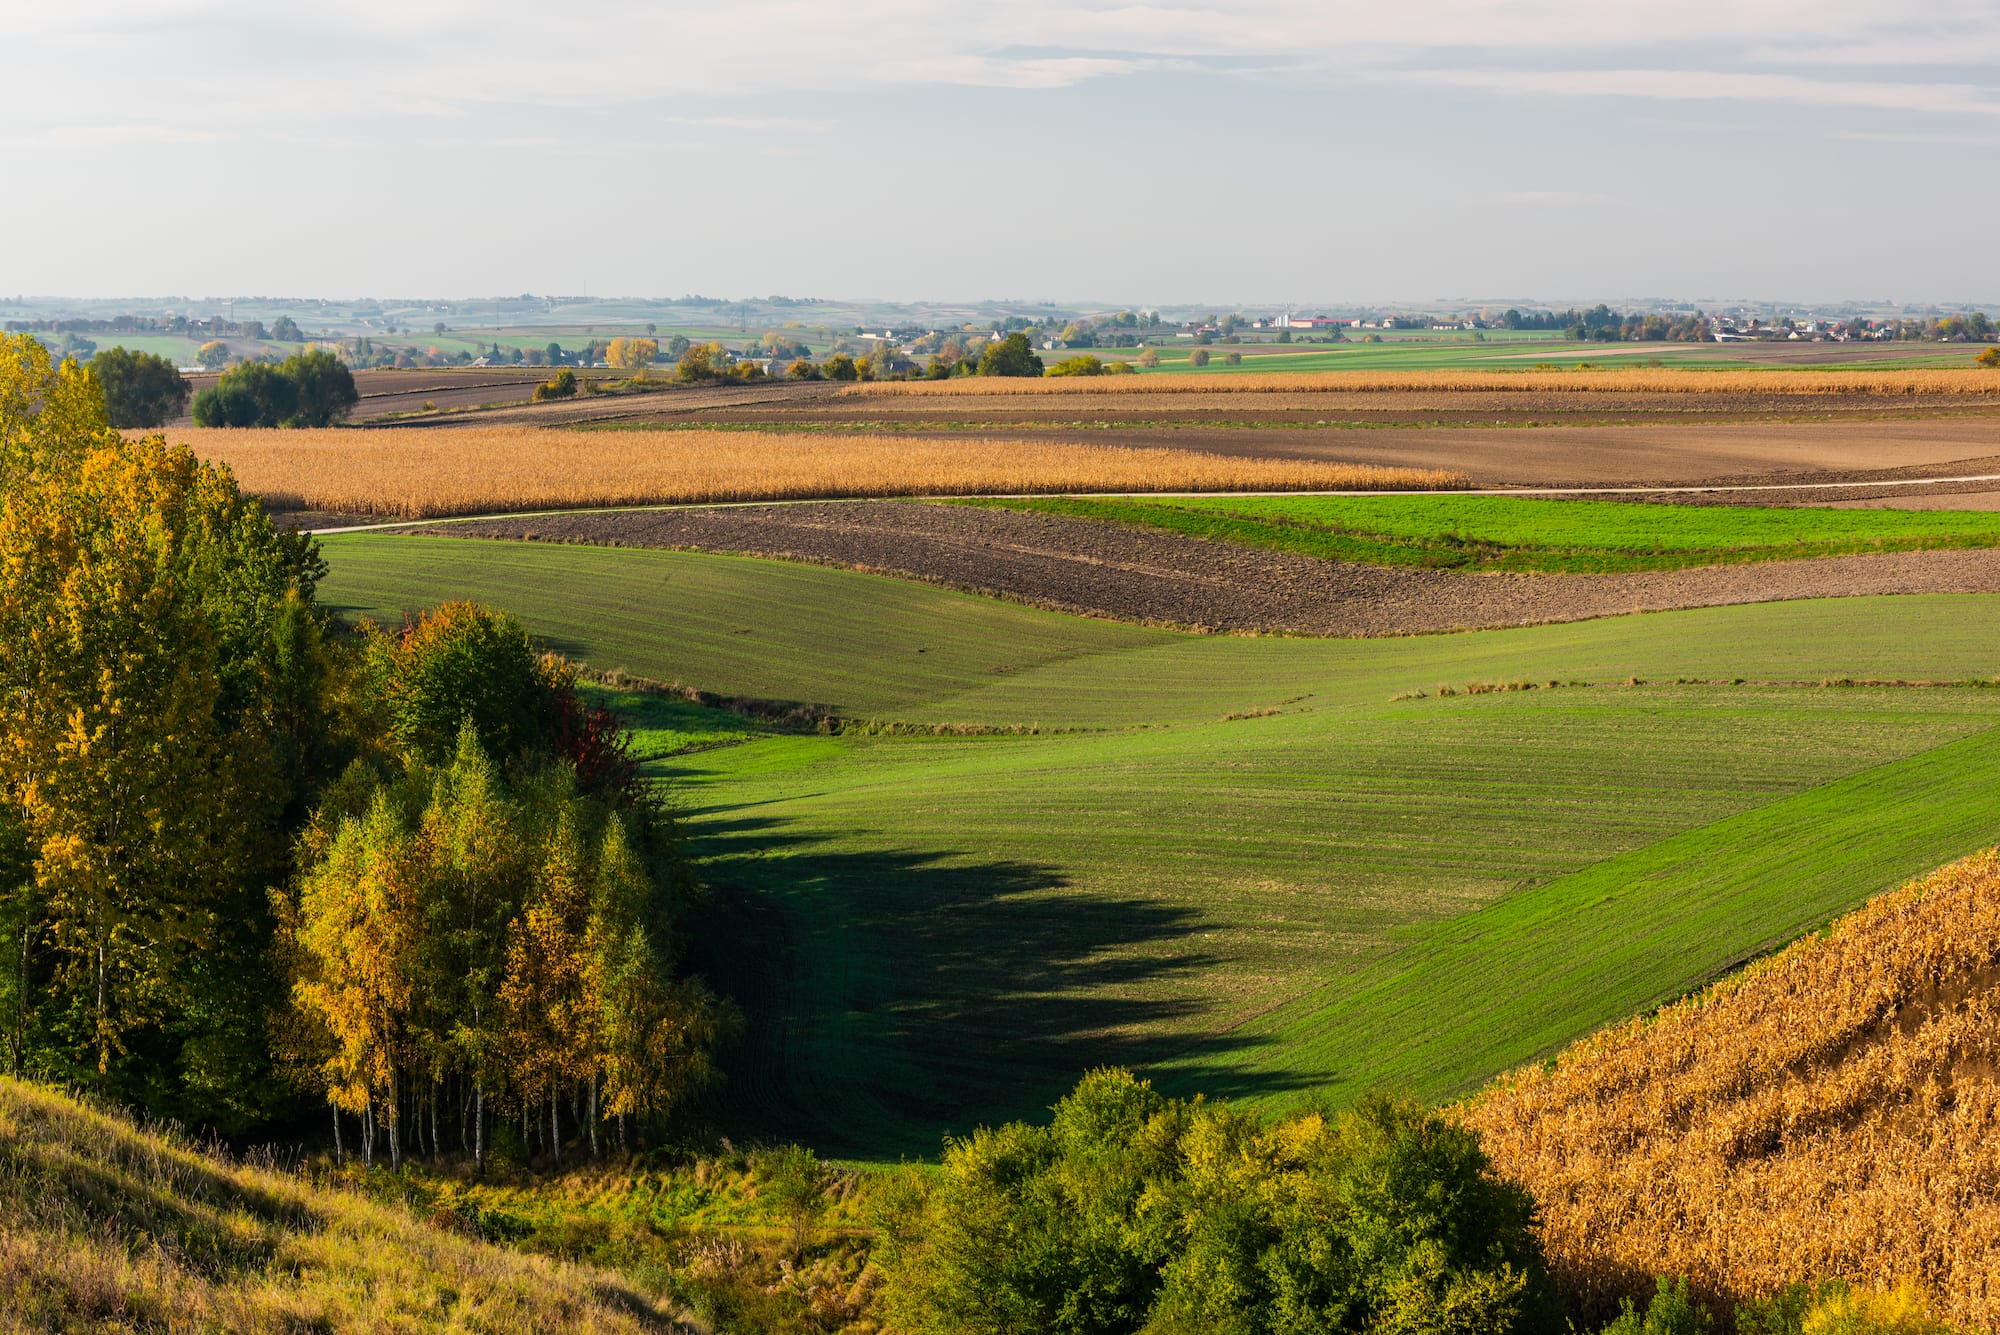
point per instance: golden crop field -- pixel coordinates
(1649, 381)
(456, 471)
(1833, 1112)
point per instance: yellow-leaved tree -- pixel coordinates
(138, 594)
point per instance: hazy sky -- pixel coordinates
(1207, 150)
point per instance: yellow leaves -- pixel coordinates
(1902, 1310)
(50, 414)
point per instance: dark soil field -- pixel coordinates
(1133, 574)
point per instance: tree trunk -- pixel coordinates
(339, 1150)
(479, 1124)
(593, 1114)
(103, 1019)
(434, 1121)
(395, 1120)
(623, 1148)
(368, 1134)
(555, 1130)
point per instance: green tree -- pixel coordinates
(139, 594)
(253, 394)
(458, 664)
(1198, 358)
(213, 355)
(323, 390)
(1011, 356)
(840, 366)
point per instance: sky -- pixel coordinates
(1226, 151)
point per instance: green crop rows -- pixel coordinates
(1509, 533)
(1258, 867)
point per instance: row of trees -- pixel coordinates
(308, 389)
(246, 855)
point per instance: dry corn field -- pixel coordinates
(1670, 381)
(1832, 1113)
(424, 474)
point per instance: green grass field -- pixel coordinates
(1242, 863)
(1500, 351)
(1509, 533)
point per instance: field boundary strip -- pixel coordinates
(1681, 490)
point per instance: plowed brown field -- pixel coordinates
(1133, 574)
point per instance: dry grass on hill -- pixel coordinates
(416, 475)
(103, 1227)
(1834, 1112)
(1523, 381)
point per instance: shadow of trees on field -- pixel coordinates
(892, 996)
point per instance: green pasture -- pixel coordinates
(1260, 867)
(1516, 351)
(1526, 534)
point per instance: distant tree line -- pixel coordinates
(1601, 324)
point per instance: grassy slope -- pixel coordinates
(104, 1227)
(947, 929)
(1506, 533)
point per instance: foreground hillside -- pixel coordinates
(103, 1226)
(1835, 1111)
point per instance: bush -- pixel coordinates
(1131, 1210)
(1836, 1308)
(1150, 358)
(561, 385)
(840, 366)
(140, 389)
(1670, 1311)
(1199, 357)
(1232, 359)
(1084, 365)
(1989, 358)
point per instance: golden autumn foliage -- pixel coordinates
(473, 470)
(1667, 380)
(1835, 1111)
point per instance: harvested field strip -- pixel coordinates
(449, 471)
(1524, 381)
(1832, 1111)
(1491, 533)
